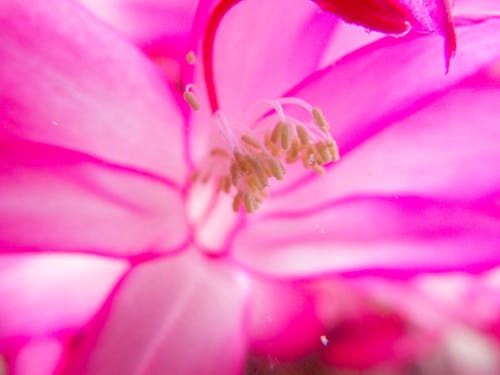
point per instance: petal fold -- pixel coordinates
(439, 126)
(51, 293)
(75, 84)
(54, 199)
(284, 322)
(182, 315)
(393, 236)
(254, 61)
(396, 16)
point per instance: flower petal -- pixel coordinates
(284, 323)
(75, 84)
(52, 293)
(449, 293)
(145, 21)
(183, 315)
(37, 357)
(396, 16)
(53, 199)
(392, 236)
(477, 7)
(266, 63)
(354, 98)
(434, 16)
(366, 341)
(421, 137)
(161, 28)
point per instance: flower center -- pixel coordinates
(250, 157)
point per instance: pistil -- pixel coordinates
(208, 48)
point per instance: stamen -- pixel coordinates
(276, 134)
(190, 97)
(302, 134)
(285, 136)
(237, 201)
(276, 169)
(248, 161)
(191, 58)
(251, 141)
(219, 152)
(320, 119)
(333, 149)
(293, 153)
(249, 204)
(323, 153)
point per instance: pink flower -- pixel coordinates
(422, 322)
(115, 262)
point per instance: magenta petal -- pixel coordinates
(255, 60)
(44, 294)
(356, 100)
(426, 141)
(393, 235)
(37, 357)
(144, 21)
(481, 293)
(182, 315)
(434, 16)
(284, 322)
(75, 84)
(366, 341)
(447, 150)
(476, 7)
(52, 199)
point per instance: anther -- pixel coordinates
(191, 58)
(302, 134)
(252, 162)
(195, 176)
(191, 100)
(249, 205)
(235, 174)
(276, 169)
(323, 152)
(276, 134)
(206, 177)
(318, 169)
(251, 141)
(320, 119)
(225, 184)
(333, 149)
(285, 136)
(294, 152)
(259, 171)
(219, 152)
(237, 201)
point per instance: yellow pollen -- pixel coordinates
(250, 141)
(276, 134)
(250, 205)
(333, 149)
(320, 119)
(323, 152)
(191, 100)
(195, 176)
(191, 58)
(302, 134)
(248, 166)
(293, 153)
(237, 201)
(285, 136)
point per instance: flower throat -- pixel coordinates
(251, 157)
